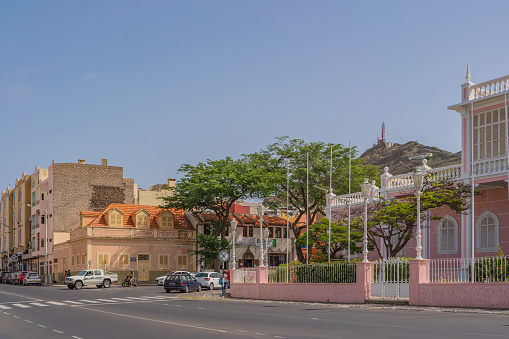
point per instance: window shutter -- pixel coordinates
(483, 234)
(451, 238)
(443, 236)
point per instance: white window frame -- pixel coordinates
(478, 233)
(454, 222)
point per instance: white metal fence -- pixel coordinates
(458, 270)
(345, 272)
(391, 278)
(244, 275)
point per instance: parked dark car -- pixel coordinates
(12, 277)
(181, 282)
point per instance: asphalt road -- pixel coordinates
(148, 312)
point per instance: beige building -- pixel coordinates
(6, 225)
(153, 196)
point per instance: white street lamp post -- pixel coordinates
(266, 253)
(259, 211)
(365, 191)
(418, 177)
(233, 225)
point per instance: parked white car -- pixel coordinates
(91, 277)
(209, 279)
(160, 280)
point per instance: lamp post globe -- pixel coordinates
(365, 192)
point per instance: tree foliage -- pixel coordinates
(208, 248)
(319, 238)
(273, 160)
(214, 186)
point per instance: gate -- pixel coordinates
(391, 278)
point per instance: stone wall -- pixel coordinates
(82, 187)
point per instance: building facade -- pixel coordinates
(484, 164)
(149, 240)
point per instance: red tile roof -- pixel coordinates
(129, 214)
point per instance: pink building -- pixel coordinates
(484, 125)
(149, 240)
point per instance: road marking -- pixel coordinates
(42, 326)
(3, 307)
(15, 316)
(21, 305)
(39, 304)
(276, 336)
(28, 321)
(72, 302)
(107, 300)
(242, 331)
(89, 301)
(55, 303)
(314, 319)
(58, 331)
(121, 299)
(166, 322)
(76, 337)
(260, 334)
(7, 313)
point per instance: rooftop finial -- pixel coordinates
(468, 73)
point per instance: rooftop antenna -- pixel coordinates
(383, 131)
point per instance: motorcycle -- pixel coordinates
(130, 282)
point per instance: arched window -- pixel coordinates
(487, 232)
(447, 233)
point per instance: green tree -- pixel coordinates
(319, 238)
(273, 160)
(214, 186)
(394, 221)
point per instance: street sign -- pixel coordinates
(10, 264)
(223, 256)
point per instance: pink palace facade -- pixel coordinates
(484, 144)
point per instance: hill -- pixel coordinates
(397, 156)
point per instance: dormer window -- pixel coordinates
(115, 218)
(166, 220)
(142, 219)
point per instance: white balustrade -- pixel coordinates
(490, 166)
(490, 88)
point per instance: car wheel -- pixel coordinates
(199, 288)
(211, 286)
(168, 291)
(106, 283)
(78, 285)
(186, 290)
(70, 287)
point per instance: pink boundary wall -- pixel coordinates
(490, 295)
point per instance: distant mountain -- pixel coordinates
(405, 158)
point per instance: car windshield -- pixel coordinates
(198, 275)
(82, 273)
(33, 275)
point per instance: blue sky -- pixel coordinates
(151, 85)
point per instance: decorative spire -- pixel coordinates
(467, 77)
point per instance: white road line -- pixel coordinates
(72, 302)
(165, 322)
(7, 313)
(15, 316)
(260, 334)
(55, 303)
(42, 326)
(28, 321)
(89, 301)
(58, 331)
(21, 305)
(107, 300)
(276, 336)
(76, 337)
(3, 307)
(242, 331)
(39, 304)
(134, 298)
(121, 299)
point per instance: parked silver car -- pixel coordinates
(209, 279)
(32, 279)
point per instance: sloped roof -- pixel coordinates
(129, 214)
(243, 219)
